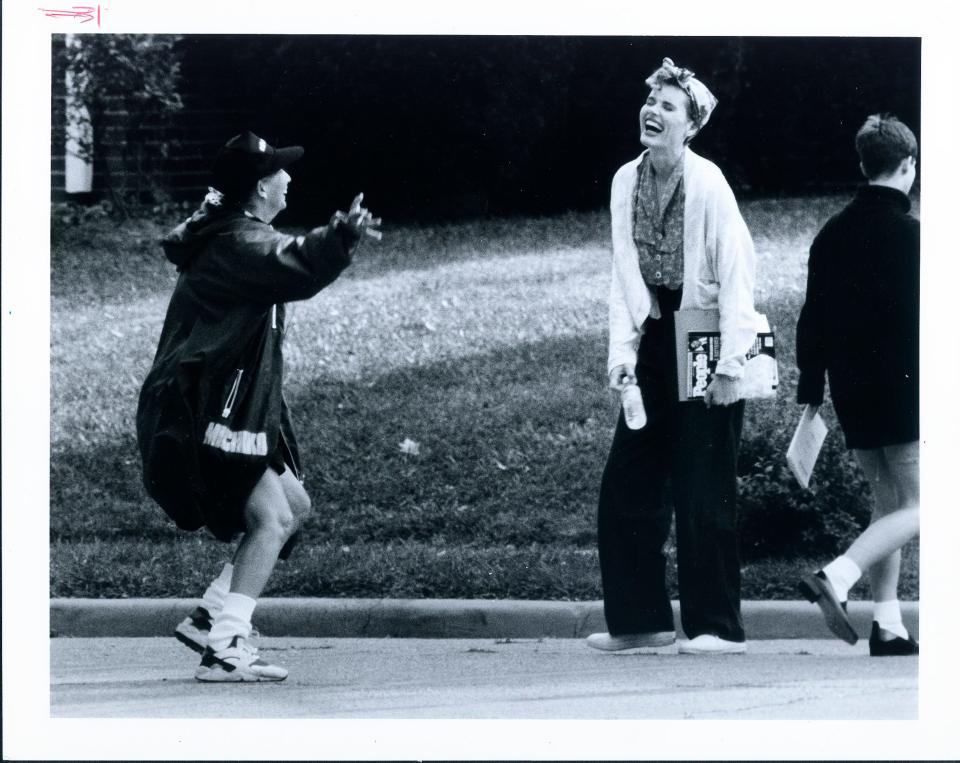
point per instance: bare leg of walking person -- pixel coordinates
(274, 511)
(895, 477)
(898, 477)
(885, 572)
(270, 521)
(194, 630)
(893, 472)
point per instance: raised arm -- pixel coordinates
(255, 263)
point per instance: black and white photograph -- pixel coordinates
(374, 379)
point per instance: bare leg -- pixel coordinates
(273, 513)
(901, 476)
(894, 475)
(300, 505)
(885, 572)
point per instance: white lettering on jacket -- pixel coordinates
(248, 443)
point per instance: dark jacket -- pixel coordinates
(211, 412)
(860, 320)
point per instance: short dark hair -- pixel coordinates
(882, 143)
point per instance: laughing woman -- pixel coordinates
(678, 242)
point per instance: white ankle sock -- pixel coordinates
(232, 620)
(887, 615)
(842, 573)
(216, 592)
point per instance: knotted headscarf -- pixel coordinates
(704, 102)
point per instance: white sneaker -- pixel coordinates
(707, 643)
(238, 662)
(608, 643)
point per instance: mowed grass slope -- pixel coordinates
(480, 345)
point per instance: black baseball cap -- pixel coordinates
(246, 158)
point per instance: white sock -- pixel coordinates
(232, 620)
(216, 592)
(887, 615)
(842, 573)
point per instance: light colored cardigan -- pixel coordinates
(718, 264)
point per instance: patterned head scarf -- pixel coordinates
(703, 101)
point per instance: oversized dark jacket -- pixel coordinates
(860, 320)
(211, 411)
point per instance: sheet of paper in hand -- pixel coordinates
(698, 351)
(805, 445)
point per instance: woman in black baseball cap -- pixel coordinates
(213, 427)
(247, 158)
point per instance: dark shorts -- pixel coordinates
(872, 415)
(228, 488)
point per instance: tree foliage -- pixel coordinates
(128, 88)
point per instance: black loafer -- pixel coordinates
(817, 588)
(897, 647)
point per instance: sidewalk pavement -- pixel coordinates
(543, 678)
(430, 618)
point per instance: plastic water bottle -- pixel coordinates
(633, 410)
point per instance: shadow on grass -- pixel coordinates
(505, 454)
(494, 493)
(495, 497)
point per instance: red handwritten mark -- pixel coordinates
(83, 13)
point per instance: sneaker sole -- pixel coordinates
(189, 642)
(217, 676)
(725, 650)
(812, 589)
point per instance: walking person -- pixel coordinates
(860, 325)
(679, 242)
(213, 428)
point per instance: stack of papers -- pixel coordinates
(805, 445)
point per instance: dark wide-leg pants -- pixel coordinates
(695, 449)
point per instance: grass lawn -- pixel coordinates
(484, 344)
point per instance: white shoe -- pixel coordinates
(608, 643)
(238, 662)
(707, 643)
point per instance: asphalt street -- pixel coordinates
(552, 678)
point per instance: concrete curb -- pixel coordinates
(430, 618)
